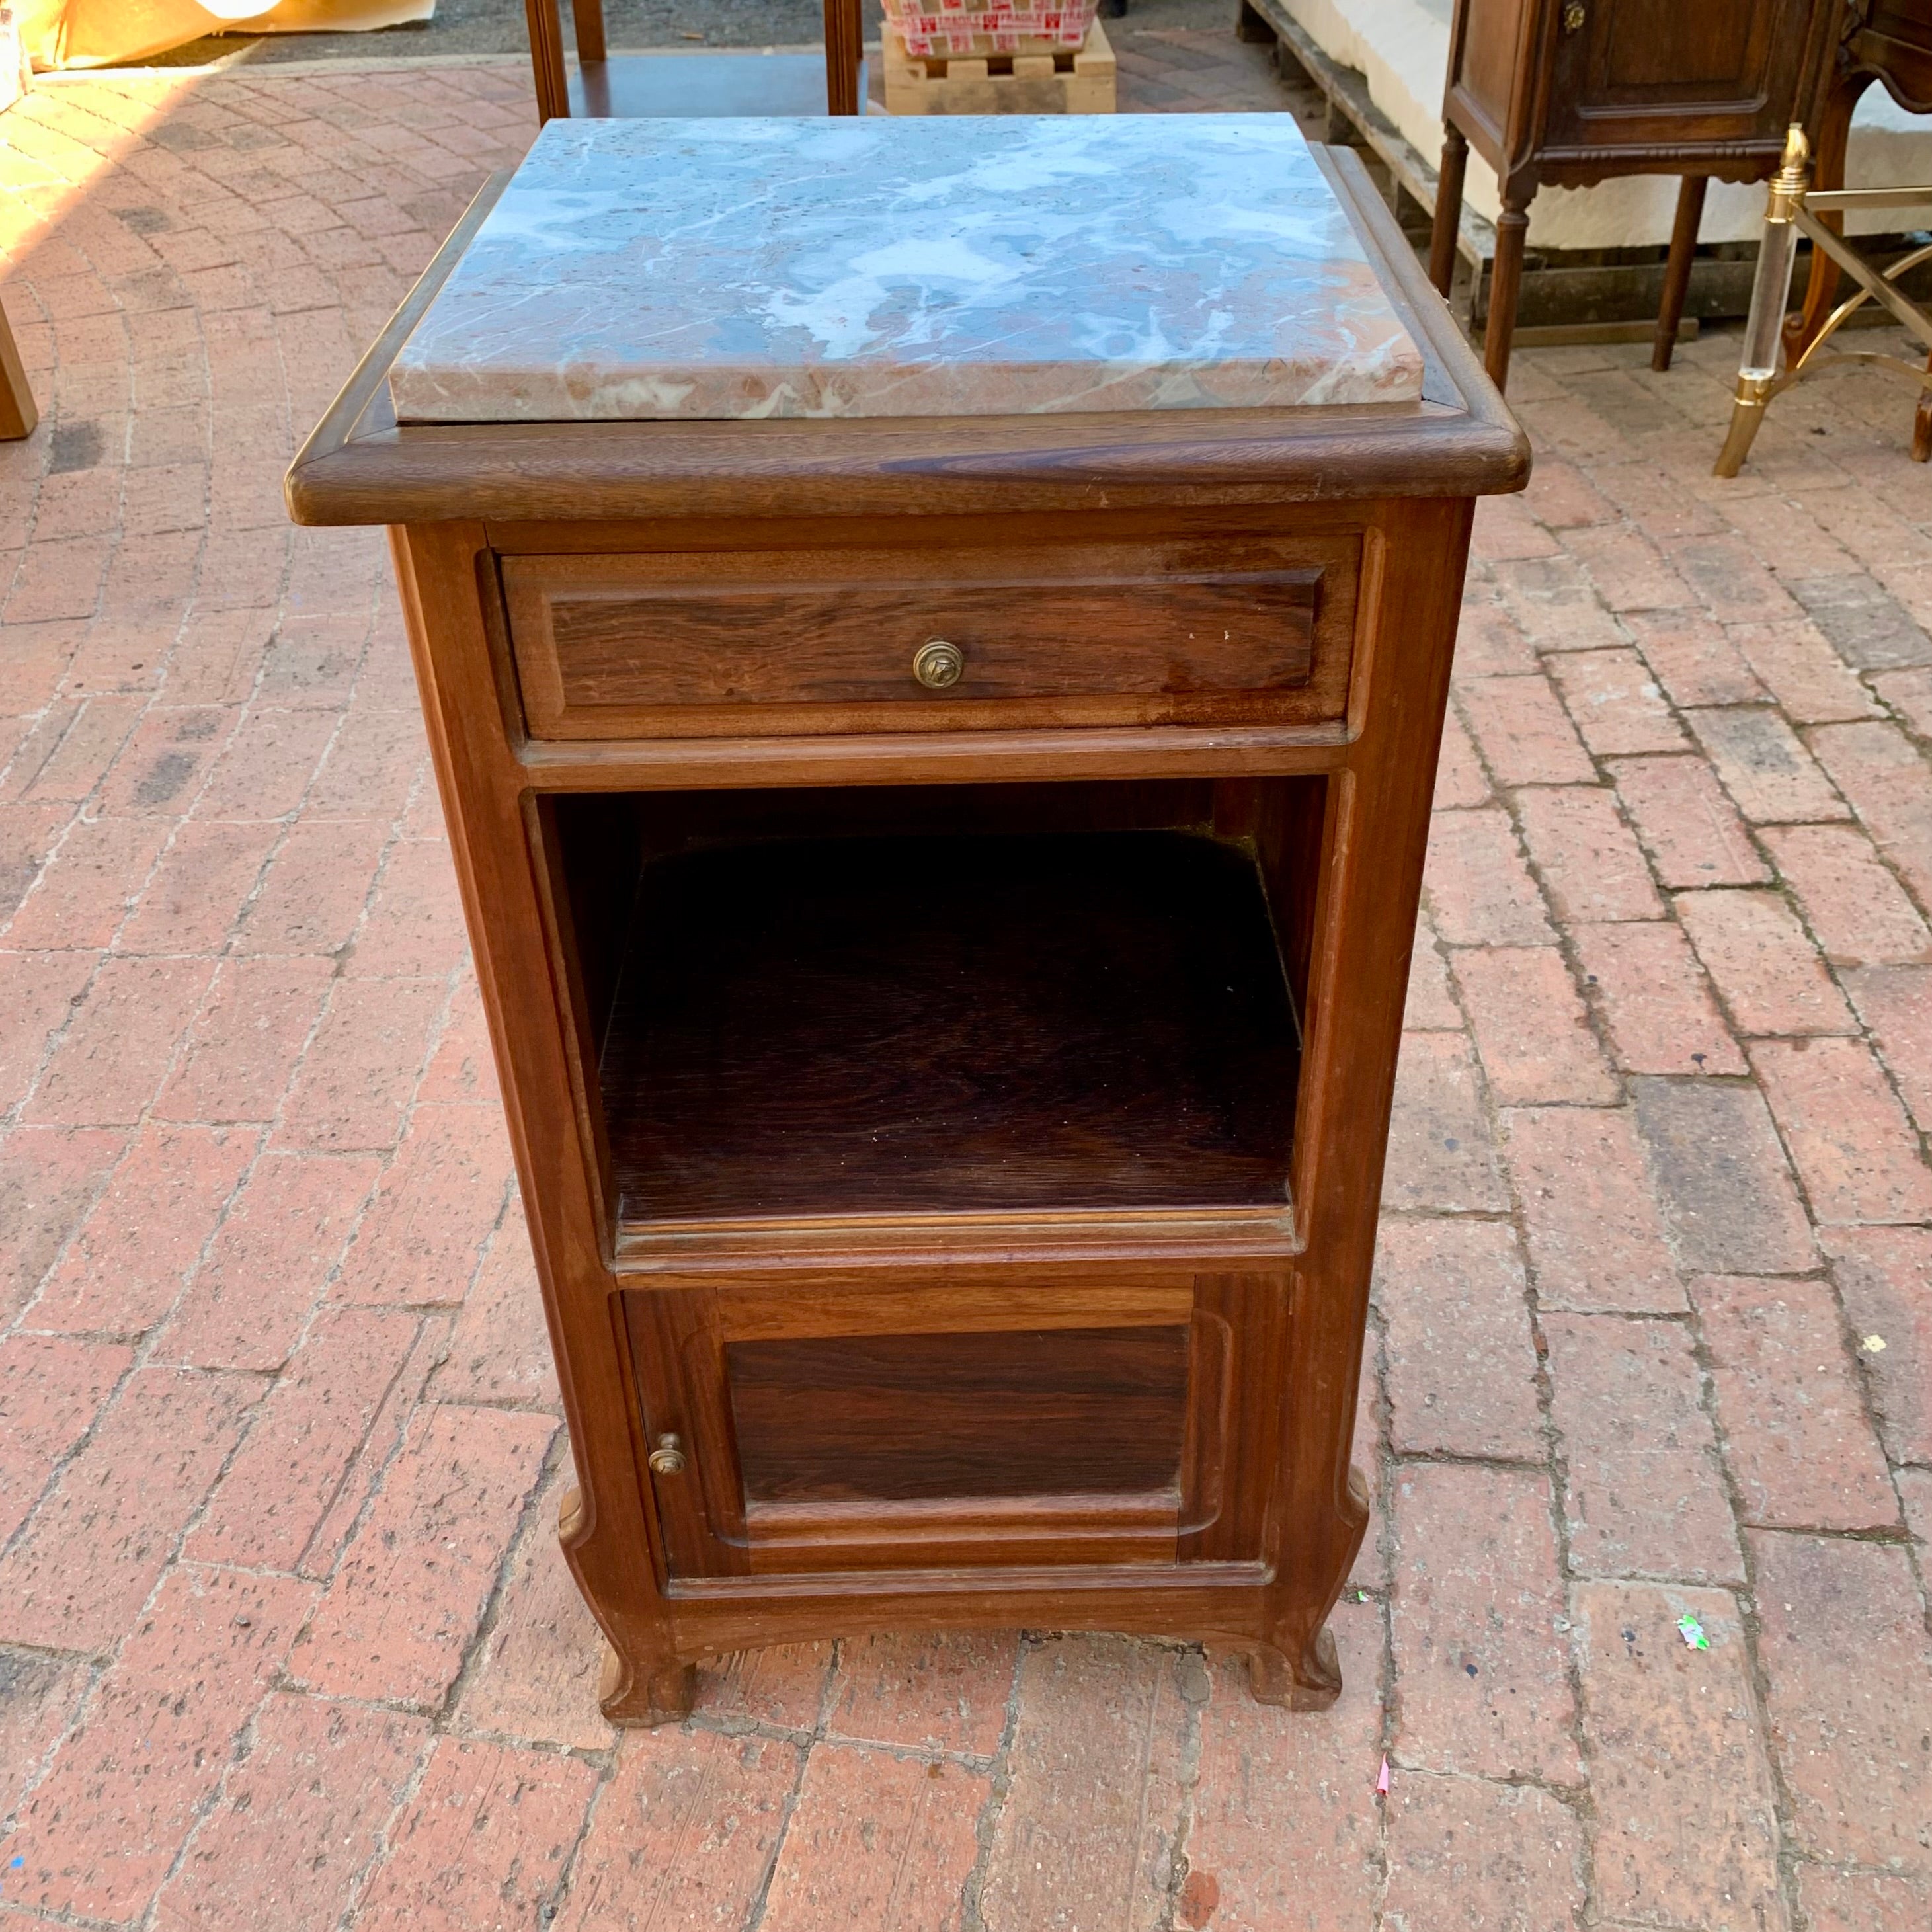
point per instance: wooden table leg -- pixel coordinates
(18, 414)
(547, 61)
(1505, 289)
(587, 16)
(844, 49)
(1921, 422)
(1677, 271)
(1448, 210)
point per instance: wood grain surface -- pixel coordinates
(756, 981)
(1002, 1413)
(1123, 622)
(857, 1026)
(853, 642)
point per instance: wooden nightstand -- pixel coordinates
(1567, 93)
(943, 887)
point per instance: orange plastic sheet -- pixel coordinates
(96, 33)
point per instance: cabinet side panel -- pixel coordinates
(1485, 75)
(1254, 1308)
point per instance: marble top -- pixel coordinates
(935, 266)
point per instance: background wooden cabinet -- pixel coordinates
(1567, 93)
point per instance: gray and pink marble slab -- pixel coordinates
(942, 266)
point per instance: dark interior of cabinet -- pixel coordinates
(896, 1000)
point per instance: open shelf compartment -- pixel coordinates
(965, 1000)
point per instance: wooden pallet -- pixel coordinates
(1068, 82)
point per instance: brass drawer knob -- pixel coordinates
(938, 665)
(667, 1458)
(1573, 17)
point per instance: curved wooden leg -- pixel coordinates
(1448, 210)
(18, 414)
(1505, 290)
(641, 1681)
(1828, 171)
(631, 1693)
(1311, 1681)
(1677, 271)
(1295, 1664)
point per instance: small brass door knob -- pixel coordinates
(938, 665)
(1573, 17)
(667, 1458)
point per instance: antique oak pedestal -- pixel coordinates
(942, 881)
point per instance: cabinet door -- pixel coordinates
(1632, 76)
(935, 1428)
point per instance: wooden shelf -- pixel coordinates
(895, 1025)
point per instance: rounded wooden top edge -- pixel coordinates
(570, 472)
(360, 468)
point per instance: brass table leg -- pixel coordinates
(1747, 408)
(1771, 290)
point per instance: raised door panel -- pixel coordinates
(1049, 1426)
(1637, 76)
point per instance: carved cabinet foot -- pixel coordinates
(634, 1695)
(1312, 1683)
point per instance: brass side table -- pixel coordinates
(1795, 209)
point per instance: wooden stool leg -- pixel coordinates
(18, 414)
(844, 49)
(1448, 210)
(1505, 289)
(1921, 422)
(587, 16)
(1677, 271)
(547, 66)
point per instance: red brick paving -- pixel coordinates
(285, 1638)
(1483, 1673)
(1466, 1852)
(1459, 1365)
(1687, 1826)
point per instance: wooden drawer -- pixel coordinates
(1241, 631)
